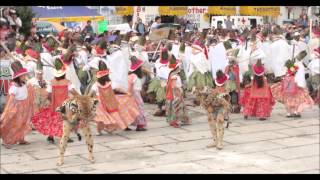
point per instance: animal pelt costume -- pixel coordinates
(77, 111)
(217, 104)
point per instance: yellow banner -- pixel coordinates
(124, 10)
(173, 10)
(222, 10)
(260, 10)
(71, 19)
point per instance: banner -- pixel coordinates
(102, 26)
(124, 10)
(260, 10)
(222, 10)
(173, 10)
(159, 34)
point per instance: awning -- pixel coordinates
(124, 10)
(222, 10)
(260, 10)
(173, 10)
(65, 14)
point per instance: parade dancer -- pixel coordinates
(119, 66)
(280, 52)
(175, 107)
(313, 81)
(47, 60)
(68, 58)
(15, 119)
(134, 89)
(49, 122)
(39, 85)
(31, 60)
(232, 70)
(288, 92)
(257, 99)
(158, 83)
(199, 71)
(217, 104)
(114, 112)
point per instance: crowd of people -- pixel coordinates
(242, 71)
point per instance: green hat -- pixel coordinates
(182, 47)
(59, 68)
(169, 46)
(68, 56)
(227, 45)
(102, 44)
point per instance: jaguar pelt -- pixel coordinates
(78, 110)
(217, 107)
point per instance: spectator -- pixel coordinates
(88, 28)
(229, 23)
(156, 23)
(140, 28)
(189, 26)
(4, 30)
(14, 20)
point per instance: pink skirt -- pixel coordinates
(127, 113)
(16, 119)
(298, 102)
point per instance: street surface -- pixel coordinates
(277, 145)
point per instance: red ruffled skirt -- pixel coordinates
(256, 107)
(48, 123)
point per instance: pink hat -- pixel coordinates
(221, 78)
(258, 70)
(32, 54)
(135, 64)
(18, 70)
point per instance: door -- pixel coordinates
(253, 23)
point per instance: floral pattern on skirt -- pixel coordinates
(48, 123)
(297, 102)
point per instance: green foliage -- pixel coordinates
(25, 13)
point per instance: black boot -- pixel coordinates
(160, 112)
(79, 136)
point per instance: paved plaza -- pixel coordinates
(277, 145)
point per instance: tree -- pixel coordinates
(26, 14)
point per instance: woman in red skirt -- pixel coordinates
(48, 122)
(257, 99)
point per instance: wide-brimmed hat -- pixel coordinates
(60, 68)
(221, 78)
(258, 68)
(18, 69)
(103, 70)
(135, 63)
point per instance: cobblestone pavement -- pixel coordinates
(277, 145)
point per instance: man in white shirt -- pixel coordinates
(156, 23)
